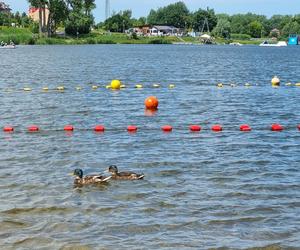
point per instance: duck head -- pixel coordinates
(113, 169)
(78, 172)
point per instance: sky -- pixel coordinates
(142, 7)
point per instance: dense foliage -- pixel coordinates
(76, 15)
(119, 22)
(205, 20)
(19, 20)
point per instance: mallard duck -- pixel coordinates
(115, 174)
(88, 179)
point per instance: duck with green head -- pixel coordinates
(115, 174)
(88, 179)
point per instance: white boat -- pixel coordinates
(8, 47)
(236, 44)
(279, 44)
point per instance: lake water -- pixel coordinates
(202, 190)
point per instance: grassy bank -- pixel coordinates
(17, 35)
(26, 37)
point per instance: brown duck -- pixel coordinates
(115, 174)
(88, 179)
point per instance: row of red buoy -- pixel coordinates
(165, 128)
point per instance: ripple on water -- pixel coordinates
(202, 190)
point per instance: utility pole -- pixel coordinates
(107, 9)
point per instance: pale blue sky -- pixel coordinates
(142, 7)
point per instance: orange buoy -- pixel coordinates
(167, 128)
(99, 128)
(151, 102)
(299, 126)
(195, 128)
(276, 127)
(216, 128)
(132, 128)
(33, 128)
(8, 129)
(68, 128)
(245, 128)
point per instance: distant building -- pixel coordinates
(33, 13)
(4, 8)
(156, 30)
(162, 30)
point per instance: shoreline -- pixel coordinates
(23, 36)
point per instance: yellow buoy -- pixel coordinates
(60, 88)
(27, 89)
(45, 89)
(94, 87)
(297, 84)
(155, 85)
(220, 85)
(139, 86)
(171, 86)
(275, 81)
(115, 84)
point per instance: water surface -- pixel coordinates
(202, 190)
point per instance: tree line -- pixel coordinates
(77, 18)
(206, 20)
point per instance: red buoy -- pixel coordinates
(99, 128)
(245, 128)
(151, 102)
(33, 128)
(299, 126)
(216, 128)
(132, 128)
(195, 128)
(276, 127)
(68, 128)
(167, 128)
(8, 129)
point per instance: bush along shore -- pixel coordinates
(23, 36)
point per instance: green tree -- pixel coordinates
(174, 14)
(80, 18)
(279, 21)
(119, 22)
(138, 22)
(240, 24)
(255, 29)
(200, 17)
(292, 27)
(58, 13)
(223, 28)
(4, 19)
(152, 17)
